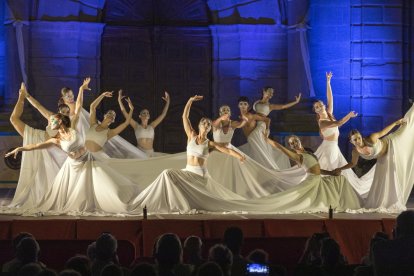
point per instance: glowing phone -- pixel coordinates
(257, 269)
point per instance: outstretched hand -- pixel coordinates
(336, 172)
(130, 105)
(13, 152)
(401, 121)
(107, 94)
(352, 114)
(196, 98)
(23, 90)
(85, 84)
(329, 76)
(120, 96)
(297, 98)
(166, 97)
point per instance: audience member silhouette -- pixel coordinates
(233, 239)
(112, 270)
(143, 269)
(79, 263)
(192, 251)
(222, 255)
(396, 257)
(69, 272)
(29, 269)
(15, 262)
(209, 269)
(106, 246)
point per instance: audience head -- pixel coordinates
(19, 237)
(79, 263)
(221, 255)
(210, 268)
(28, 250)
(143, 269)
(168, 251)
(106, 246)
(91, 251)
(192, 246)
(258, 256)
(405, 224)
(330, 252)
(233, 239)
(112, 270)
(313, 248)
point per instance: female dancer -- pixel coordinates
(394, 174)
(328, 153)
(144, 132)
(99, 133)
(257, 148)
(243, 178)
(83, 186)
(193, 179)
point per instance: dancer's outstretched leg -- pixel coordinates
(15, 119)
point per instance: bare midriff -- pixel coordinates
(196, 161)
(145, 143)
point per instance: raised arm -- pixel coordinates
(159, 119)
(216, 122)
(350, 165)
(329, 123)
(94, 105)
(132, 122)
(30, 147)
(228, 151)
(377, 135)
(79, 101)
(44, 111)
(121, 127)
(186, 116)
(292, 155)
(329, 96)
(285, 106)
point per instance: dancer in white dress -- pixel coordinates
(394, 174)
(329, 155)
(83, 186)
(144, 131)
(99, 133)
(256, 147)
(250, 179)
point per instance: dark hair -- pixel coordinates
(19, 237)
(258, 256)
(111, 270)
(143, 269)
(61, 106)
(65, 119)
(27, 250)
(106, 246)
(210, 268)
(243, 99)
(223, 256)
(264, 89)
(168, 250)
(353, 132)
(233, 238)
(79, 263)
(331, 117)
(405, 224)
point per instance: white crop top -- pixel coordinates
(374, 151)
(200, 151)
(141, 132)
(99, 137)
(220, 137)
(308, 161)
(329, 131)
(72, 145)
(262, 108)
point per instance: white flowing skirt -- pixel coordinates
(259, 150)
(330, 157)
(84, 187)
(185, 191)
(394, 175)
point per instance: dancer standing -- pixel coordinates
(328, 153)
(144, 131)
(394, 174)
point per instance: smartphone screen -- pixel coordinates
(257, 269)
